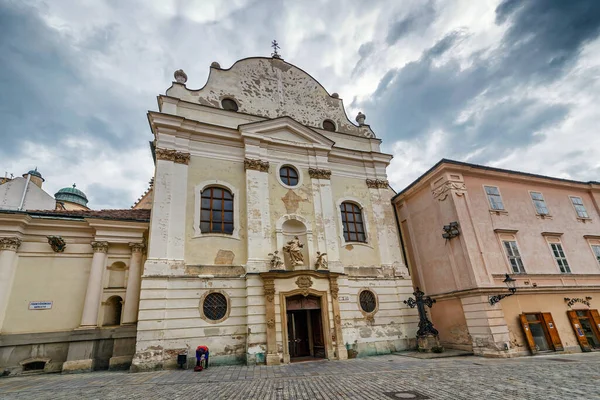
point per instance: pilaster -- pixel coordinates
(8, 252)
(132, 295)
(269, 291)
(93, 293)
(334, 289)
(258, 214)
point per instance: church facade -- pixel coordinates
(272, 235)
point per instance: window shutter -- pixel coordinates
(585, 346)
(551, 328)
(528, 335)
(595, 318)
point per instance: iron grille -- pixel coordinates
(215, 306)
(367, 301)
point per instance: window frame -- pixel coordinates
(201, 306)
(492, 209)
(517, 257)
(365, 220)
(298, 170)
(587, 215)
(365, 313)
(198, 189)
(595, 244)
(557, 241)
(547, 214)
(330, 121)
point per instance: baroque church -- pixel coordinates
(267, 234)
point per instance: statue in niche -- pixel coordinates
(294, 249)
(276, 261)
(321, 262)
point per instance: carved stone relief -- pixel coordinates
(377, 183)
(317, 173)
(258, 165)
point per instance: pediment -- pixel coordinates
(285, 131)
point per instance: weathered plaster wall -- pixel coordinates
(448, 318)
(270, 88)
(215, 249)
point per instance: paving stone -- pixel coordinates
(534, 378)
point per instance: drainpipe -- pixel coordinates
(24, 193)
(401, 241)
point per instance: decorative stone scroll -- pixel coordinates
(99, 247)
(137, 247)
(173, 155)
(441, 193)
(10, 243)
(255, 164)
(304, 283)
(334, 287)
(269, 289)
(57, 243)
(377, 183)
(317, 173)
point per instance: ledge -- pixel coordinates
(552, 233)
(597, 237)
(501, 230)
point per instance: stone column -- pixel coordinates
(8, 250)
(269, 290)
(341, 350)
(132, 296)
(93, 294)
(258, 214)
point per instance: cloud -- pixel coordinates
(416, 21)
(485, 104)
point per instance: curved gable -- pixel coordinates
(272, 88)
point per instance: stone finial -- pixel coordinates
(215, 64)
(335, 95)
(360, 118)
(180, 76)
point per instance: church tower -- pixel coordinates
(272, 236)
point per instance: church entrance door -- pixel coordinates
(305, 328)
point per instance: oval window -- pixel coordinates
(215, 306)
(368, 302)
(328, 125)
(229, 105)
(288, 175)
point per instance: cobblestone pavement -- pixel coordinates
(575, 376)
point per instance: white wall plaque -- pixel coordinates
(40, 305)
(344, 298)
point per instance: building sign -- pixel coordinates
(344, 298)
(585, 301)
(40, 305)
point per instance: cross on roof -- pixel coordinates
(275, 46)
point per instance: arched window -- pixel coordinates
(329, 125)
(112, 312)
(216, 215)
(229, 105)
(352, 221)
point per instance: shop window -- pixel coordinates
(586, 325)
(540, 332)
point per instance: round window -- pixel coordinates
(229, 105)
(368, 301)
(328, 125)
(288, 175)
(215, 306)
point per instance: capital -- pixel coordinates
(99, 247)
(172, 155)
(10, 243)
(137, 247)
(258, 165)
(377, 183)
(317, 173)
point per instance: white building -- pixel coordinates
(260, 155)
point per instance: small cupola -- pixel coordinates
(36, 177)
(72, 198)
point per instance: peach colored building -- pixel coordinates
(543, 231)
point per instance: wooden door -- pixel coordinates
(317, 334)
(585, 346)
(595, 319)
(552, 332)
(528, 335)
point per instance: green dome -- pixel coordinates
(34, 172)
(71, 194)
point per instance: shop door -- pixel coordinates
(586, 324)
(540, 332)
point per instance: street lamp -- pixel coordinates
(511, 284)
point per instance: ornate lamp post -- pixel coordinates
(511, 284)
(427, 335)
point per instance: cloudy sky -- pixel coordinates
(507, 83)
